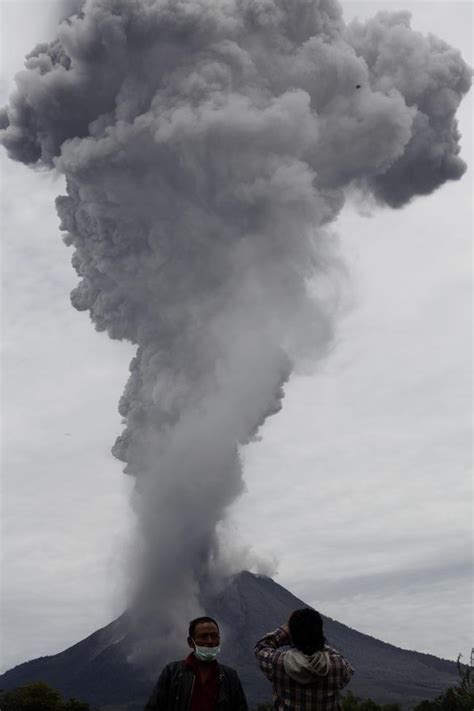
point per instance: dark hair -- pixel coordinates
(306, 630)
(193, 624)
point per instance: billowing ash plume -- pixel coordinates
(206, 144)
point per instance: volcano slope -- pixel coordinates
(97, 669)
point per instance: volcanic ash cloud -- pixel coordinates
(206, 145)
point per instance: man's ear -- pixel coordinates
(191, 643)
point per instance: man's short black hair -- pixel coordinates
(306, 630)
(194, 623)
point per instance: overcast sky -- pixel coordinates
(358, 493)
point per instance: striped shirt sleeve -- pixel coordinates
(339, 668)
(267, 650)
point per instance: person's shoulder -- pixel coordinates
(174, 666)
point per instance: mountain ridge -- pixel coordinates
(97, 668)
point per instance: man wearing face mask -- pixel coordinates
(199, 682)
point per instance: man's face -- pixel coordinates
(206, 634)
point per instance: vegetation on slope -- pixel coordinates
(38, 696)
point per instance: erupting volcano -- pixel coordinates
(207, 146)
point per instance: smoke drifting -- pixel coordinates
(206, 146)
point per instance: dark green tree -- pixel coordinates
(457, 698)
(38, 696)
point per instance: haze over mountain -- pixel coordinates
(98, 669)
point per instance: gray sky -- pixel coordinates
(358, 493)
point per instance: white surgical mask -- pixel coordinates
(206, 654)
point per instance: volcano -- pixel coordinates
(97, 669)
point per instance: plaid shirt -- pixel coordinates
(288, 694)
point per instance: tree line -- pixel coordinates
(39, 696)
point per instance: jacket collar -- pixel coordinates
(192, 663)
